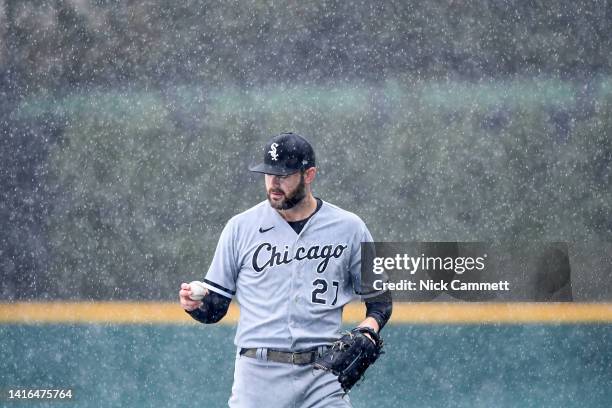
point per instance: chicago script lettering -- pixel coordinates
(267, 255)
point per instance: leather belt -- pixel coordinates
(288, 357)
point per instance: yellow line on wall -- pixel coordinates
(503, 313)
(413, 313)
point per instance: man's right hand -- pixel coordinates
(186, 302)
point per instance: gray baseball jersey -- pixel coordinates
(291, 287)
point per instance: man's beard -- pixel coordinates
(291, 200)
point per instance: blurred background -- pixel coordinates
(127, 128)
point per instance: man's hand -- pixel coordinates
(351, 355)
(186, 302)
(372, 324)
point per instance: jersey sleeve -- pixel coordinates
(223, 271)
(362, 280)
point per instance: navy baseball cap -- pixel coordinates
(286, 154)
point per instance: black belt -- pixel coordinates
(288, 357)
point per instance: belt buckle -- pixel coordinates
(293, 357)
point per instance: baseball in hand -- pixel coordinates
(197, 290)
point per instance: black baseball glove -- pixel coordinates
(351, 355)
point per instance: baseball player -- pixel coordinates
(292, 262)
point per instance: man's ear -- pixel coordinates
(309, 175)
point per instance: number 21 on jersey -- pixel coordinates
(320, 289)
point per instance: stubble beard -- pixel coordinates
(290, 200)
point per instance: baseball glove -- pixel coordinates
(351, 355)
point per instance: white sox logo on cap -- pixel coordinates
(273, 152)
(284, 155)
